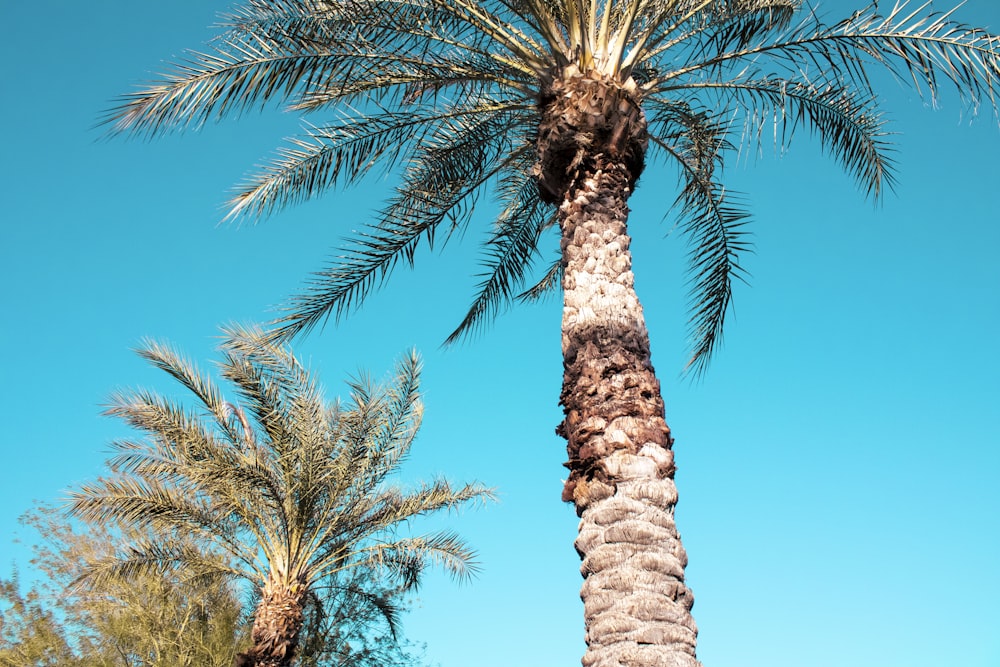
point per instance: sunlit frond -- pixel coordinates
(158, 558)
(393, 506)
(143, 503)
(913, 45)
(713, 222)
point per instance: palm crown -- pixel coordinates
(454, 93)
(291, 490)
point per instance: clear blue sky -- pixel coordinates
(838, 467)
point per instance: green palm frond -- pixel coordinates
(444, 178)
(713, 222)
(342, 154)
(711, 218)
(210, 86)
(382, 422)
(139, 459)
(718, 28)
(325, 158)
(165, 482)
(293, 50)
(262, 397)
(512, 246)
(189, 376)
(401, 416)
(177, 507)
(178, 433)
(488, 22)
(548, 283)
(406, 558)
(849, 128)
(295, 390)
(393, 506)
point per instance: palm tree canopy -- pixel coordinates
(452, 92)
(282, 483)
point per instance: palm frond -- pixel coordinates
(736, 24)
(209, 86)
(511, 248)
(309, 55)
(440, 185)
(492, 25)
(179, 433)
(169, 360)
(550, 281)
(394, 506)
(144, 503)
(139, 459)
(545, 18)
(156, 558)
(287, 378)
(342, 154)
(909, 44)
(710, 219)
(714, 225)
(262, 401)
(850, 128)
(406, 558)
(403, 413)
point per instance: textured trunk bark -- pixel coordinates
(276, 626)
(637, 608)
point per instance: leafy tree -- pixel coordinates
(30, 634)
(555, 106)
(158, 620)
(291, 491)
(152, 620)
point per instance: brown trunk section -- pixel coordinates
(637, 608)
(276, 626)
(608, 374)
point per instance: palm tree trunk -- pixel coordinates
(637, 608)
(276, 626)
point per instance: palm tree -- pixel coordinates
(554, 107)
(291, 491)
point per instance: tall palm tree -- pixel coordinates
(291, 490)
(554, 107)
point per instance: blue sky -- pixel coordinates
(837, 466)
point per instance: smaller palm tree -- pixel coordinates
(291, 490)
